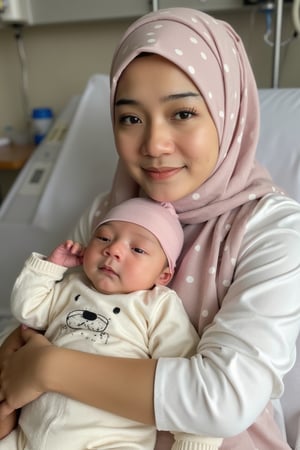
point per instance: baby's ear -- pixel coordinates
(165, 277)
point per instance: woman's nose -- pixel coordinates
(158, 141)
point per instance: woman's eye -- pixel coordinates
(185, 114)
(129, 120)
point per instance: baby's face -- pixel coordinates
(123, 257)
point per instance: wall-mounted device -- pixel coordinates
(261, 2)
(296, 15)
(38, 12)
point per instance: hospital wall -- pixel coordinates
(61, 58)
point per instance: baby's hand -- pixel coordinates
(68, 254)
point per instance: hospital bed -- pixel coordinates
(76, 161)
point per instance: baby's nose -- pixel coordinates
(114, 249)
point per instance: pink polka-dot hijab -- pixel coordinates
(214, 216)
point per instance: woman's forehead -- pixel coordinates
(161, 73)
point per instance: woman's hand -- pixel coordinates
(12, 343)
(8, 424)
(22, 372)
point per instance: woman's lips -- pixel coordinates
(162, 174)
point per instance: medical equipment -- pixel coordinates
(296, 15)
(276, 7)
(37, 12)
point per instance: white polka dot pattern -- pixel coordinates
(178, 52)
(189, 279)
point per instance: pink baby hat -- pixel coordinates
(158, 218)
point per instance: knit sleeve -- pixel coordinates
(32, 293)
(184, 441)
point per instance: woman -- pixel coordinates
(186, 123)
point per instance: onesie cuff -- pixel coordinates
(38, 263)
(184, 441)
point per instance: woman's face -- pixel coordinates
(164, 132)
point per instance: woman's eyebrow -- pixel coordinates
(180, 95)
(126, 101)
(170, 97)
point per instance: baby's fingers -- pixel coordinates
(77, 249)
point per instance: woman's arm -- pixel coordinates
(119, 385)
(250, 345)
